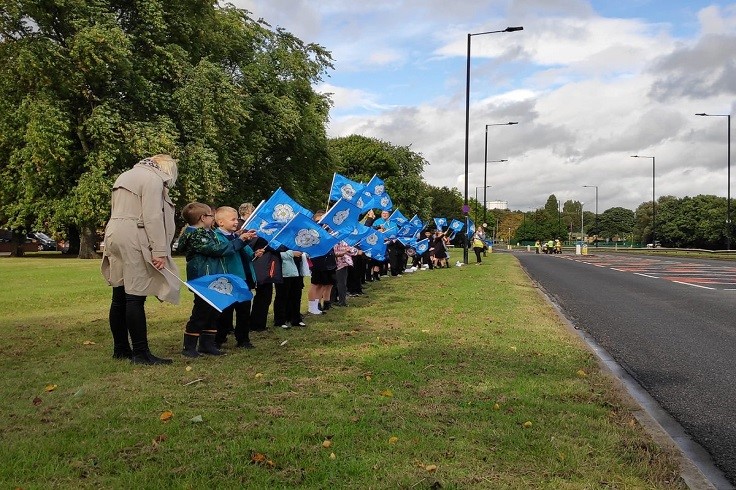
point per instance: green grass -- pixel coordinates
(435, 368)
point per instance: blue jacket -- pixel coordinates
(205, 254)
(240, 263)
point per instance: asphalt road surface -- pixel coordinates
(670, 323)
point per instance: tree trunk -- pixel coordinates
(87, 240)
(17, 243)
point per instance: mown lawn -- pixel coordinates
(459, 378)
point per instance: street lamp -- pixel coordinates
(467, 123)
(581, 223)
(476, 199)
(596, 210)
(654, 204)
(728, 163)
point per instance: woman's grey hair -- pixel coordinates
(168, 165)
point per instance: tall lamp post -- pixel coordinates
(728, 164)
(596, 210)
(485, 162)
(654, 204)
(582, 236)
(476, 200)
(466, 208)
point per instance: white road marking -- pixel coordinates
(693, 285)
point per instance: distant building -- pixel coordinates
(497, 205)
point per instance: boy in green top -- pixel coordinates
(205, 255)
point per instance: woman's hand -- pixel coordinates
(159, 262)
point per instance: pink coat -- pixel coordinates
(141, 227)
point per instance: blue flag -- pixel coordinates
(374, 245)
(305, 235)
(397, 218)
(440, 222)
(375, 186)
(365, 201)
(341, 217)
(384, 201)
(408, 230)
(274, 213)
(457, 225)
(344, 188)
(416, 221)
(391, 233)
(358, 233)
(220, 290)
(422, 246)
(471, 226)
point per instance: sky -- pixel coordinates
(590, 83)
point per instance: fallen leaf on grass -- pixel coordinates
(37, 401)
(332, 456)
(527, 424)
(49, 388)
(393, 440)
(581, 373)
(326, 443)
(89, 342)
(259, 375)
(166, 415)
(284, 343)
(196, 419)
(188, 368)
(261, 460)
(431, 468)
(496, 406)
(387, 393)
(513, 348)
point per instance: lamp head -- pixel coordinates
(512, 29)
(701, 114)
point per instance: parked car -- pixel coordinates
(44, 241)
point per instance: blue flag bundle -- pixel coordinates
(305, 235)
(471, 226)
(274, 213)
(344, 188)
(457, 225)
(220, 290)
(440, 223)
(342, 216)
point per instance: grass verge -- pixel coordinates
(459, 378)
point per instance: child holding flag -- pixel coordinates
(204, 254)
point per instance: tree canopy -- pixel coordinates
(87, 88)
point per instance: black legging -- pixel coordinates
(478, 251)
(128, 316)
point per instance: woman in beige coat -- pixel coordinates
(137, 249)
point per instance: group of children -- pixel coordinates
(214, 242)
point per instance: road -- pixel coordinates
(670, 323)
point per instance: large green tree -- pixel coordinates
(88, 87)
(359, 157)
(615, 223)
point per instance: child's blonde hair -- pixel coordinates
(194, 211)
(222, 212)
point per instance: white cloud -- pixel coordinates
(587, 90)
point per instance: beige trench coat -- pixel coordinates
(141, 227)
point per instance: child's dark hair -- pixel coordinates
(194, 211)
